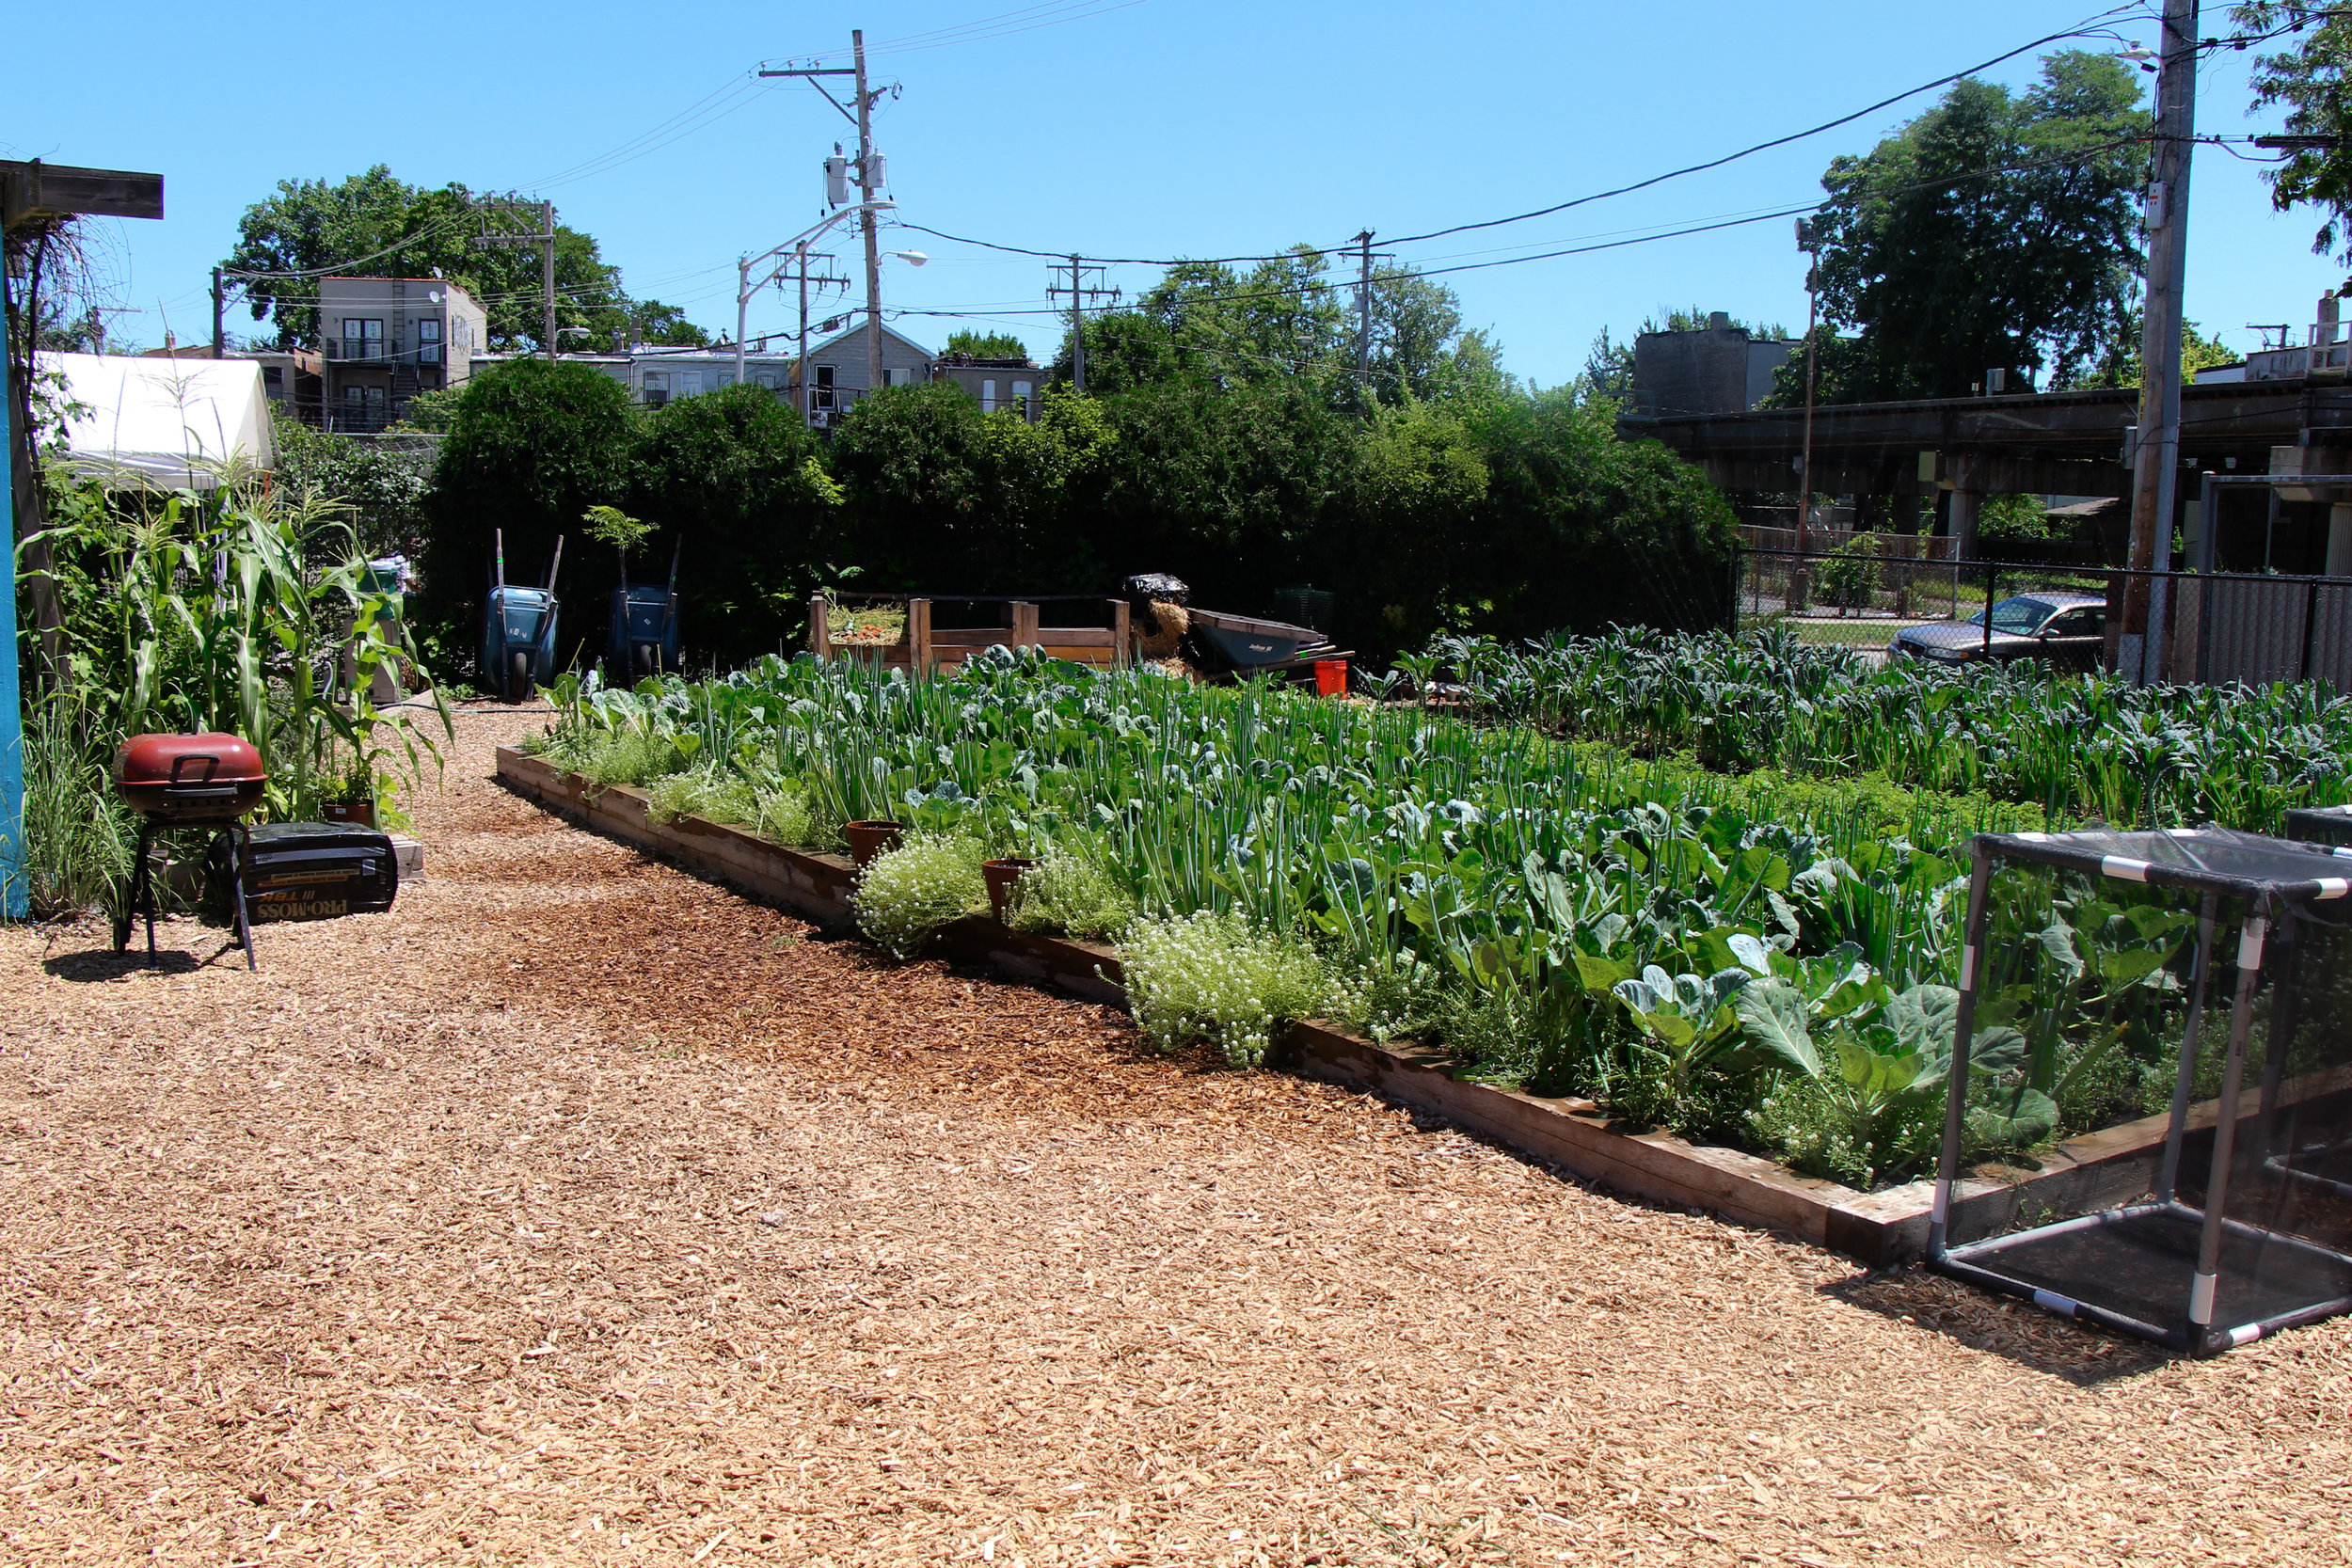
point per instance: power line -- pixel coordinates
(2081, 29)
(2072, 156)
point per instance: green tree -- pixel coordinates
(1993, 231)
(940, 493)
(2309, 79)
(1583, 530)
(1207, 320)
(1290, 317)
(533, 444)
(734, 482)
(375, 485)
(2119, 366)
(375, 224)
(986, 345)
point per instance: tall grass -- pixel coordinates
(79, 842)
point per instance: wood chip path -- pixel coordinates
(579, 1212)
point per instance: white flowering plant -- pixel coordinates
(1219, 979)
(905, 895)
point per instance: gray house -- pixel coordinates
(1718, 369)
(998, 384)
(837, 373)
(384, 340)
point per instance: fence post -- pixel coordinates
(1122, 649)
(1992, 574)
(819, 627)
(918, 639)
(2310, 625)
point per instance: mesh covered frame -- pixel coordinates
(2213, 965)
(2330, 825)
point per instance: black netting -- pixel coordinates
(2329, 825)
(2159, 1020)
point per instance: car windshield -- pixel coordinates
(2022, 616)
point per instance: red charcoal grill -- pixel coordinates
(187, 781)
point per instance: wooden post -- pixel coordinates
(819, 627)
(918, 639)
(1024, 622)
(1122, 649)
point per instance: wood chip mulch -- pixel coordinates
(578, 1210)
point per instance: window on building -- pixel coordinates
(364, 407)
(988, 397)
(823, 397)
(273, 381)
(656, 387)
(428, 342)
(690, 384)
(1020, 396)
(899, 375)
(363, 338)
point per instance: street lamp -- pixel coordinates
(912, 258)
(745, 288)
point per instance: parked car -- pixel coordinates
(2067, 630)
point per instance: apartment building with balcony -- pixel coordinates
(384, 340)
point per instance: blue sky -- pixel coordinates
(1143, 128)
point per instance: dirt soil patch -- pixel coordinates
(580, 1211)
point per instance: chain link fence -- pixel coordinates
(2215, 627)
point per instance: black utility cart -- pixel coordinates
(2216, 960)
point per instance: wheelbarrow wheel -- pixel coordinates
(519, 687)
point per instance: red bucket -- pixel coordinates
(1330, 677)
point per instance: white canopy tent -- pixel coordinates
(176, 423)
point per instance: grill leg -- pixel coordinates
(239, 843)
(133, 895)
(147, 885)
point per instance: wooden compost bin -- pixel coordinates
(924, 649)
(1879, 1229)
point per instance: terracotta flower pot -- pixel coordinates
(1000, 875)
(358, 813)
(870, 838)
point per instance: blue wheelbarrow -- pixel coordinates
(519, 629)
(641, 637)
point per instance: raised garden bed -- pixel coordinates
(1875, 1228)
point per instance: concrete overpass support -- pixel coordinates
(1967, 503)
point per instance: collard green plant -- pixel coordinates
(1687, 947)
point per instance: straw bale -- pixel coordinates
(1172, 620)
(578, 1211)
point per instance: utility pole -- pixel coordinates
(871, 178)
(216, 331)
(1363, 317)
(545, 240)
(1079, 293)
(800, 360)
(2140, 647)
(865, 186)
(1805, 462)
